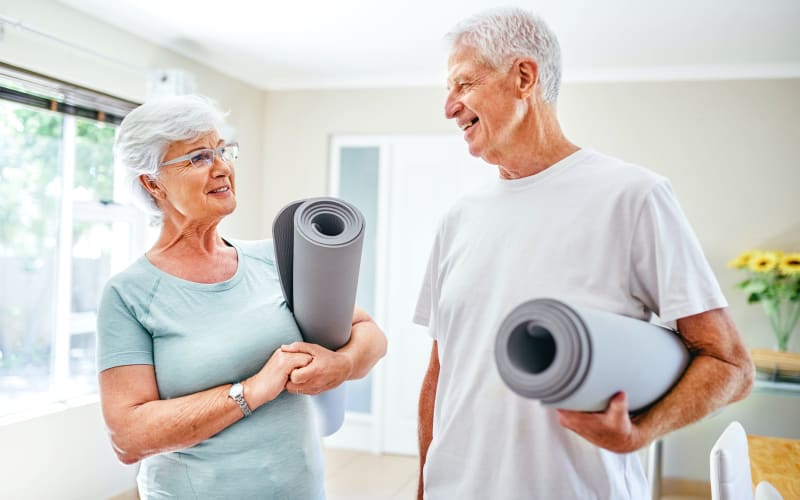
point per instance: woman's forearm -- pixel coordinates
(366, 346)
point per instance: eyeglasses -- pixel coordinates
(205, 157)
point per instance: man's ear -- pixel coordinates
(149, 183)
(527, 76)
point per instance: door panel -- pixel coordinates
(427, 175)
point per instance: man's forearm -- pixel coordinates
(708, 384)
(427, 401)
(720, 373)
(425, 431)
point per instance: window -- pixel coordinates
(358, 184)
(64, 229)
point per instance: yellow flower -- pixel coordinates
(763, 262)
(743, 259)
(790, 263)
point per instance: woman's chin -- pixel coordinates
(230, 209)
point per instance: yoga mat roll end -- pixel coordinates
(577, 358)
(329, 406)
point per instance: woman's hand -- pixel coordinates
(271, 380)
(326, 370)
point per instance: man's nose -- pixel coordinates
(452, 106)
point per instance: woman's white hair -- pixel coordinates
(504, 34)
(146, 133)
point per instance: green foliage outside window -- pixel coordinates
(30, 164)
(94, 161)
(31, 188)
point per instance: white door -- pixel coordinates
(418, 179)
(427, 174)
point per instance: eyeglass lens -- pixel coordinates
(230, 152)
(205, 157)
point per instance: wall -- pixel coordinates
(298, 126)
(66, 454)
(728, 147)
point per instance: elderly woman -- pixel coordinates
(203, 375)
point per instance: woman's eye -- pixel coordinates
(202, 158)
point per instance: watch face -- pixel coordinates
(236, 390)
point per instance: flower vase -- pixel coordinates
(783, 318)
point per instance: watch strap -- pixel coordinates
(237, 394)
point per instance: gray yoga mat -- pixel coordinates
(317, 252)
(577, 358)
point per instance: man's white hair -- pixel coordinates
(147, 132)
(504, 34)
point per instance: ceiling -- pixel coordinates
(365, 43)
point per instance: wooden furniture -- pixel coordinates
(776, 460)
(777, 365)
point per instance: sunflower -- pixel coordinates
(763, 262)
(743, 259)
(790, 263)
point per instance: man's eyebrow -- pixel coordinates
(454, 77)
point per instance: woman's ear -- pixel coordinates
(527, 76)
(149, 183)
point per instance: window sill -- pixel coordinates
(49, 409)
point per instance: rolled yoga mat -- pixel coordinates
(317, 252)
(577, 358)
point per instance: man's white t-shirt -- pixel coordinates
(590, 230)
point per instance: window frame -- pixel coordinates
(74, 103)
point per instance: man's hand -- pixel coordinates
(612, 429)
(720, 373)
(327, 369)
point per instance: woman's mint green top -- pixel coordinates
(199, 336)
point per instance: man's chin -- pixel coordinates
(474, 149)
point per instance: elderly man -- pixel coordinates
(565, 222)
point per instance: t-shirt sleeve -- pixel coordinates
(425, 312)
(671, 275)
(121, 338)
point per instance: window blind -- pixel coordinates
(39, 91)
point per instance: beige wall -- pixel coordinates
(299, 124)
(729, 148)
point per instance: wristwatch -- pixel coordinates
(237, 394)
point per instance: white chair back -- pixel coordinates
(765, 491)
(730, 465)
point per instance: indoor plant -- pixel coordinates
(774, 280)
